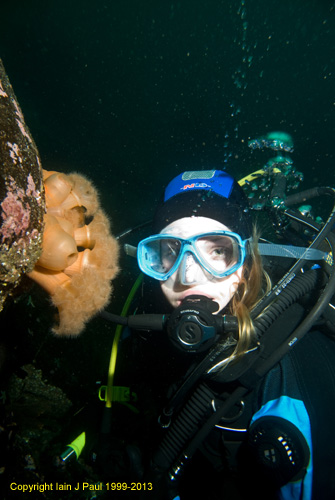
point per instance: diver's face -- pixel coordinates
(190, 278)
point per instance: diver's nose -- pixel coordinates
(190, 271)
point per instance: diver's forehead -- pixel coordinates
(190, 226)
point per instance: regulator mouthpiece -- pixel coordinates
(192, 327)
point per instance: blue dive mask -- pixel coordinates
(217, 254)
(220, 253)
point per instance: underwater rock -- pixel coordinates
(52, 227)
(36, 413)
(34, 399)
(22, 203)
(37, 408)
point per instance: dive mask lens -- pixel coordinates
(219, 253)
(157, 255)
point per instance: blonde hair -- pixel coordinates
(255, 282)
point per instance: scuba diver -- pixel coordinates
(239, 365)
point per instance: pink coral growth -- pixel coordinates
(15, 212)
(15, 216)
(31, 189)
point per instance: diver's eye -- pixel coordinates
(219, 251)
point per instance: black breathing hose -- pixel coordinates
(294, 290)
(308, 322)
(303, 196)
(184, 427)
(323, 235)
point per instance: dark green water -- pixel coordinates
(131, 93)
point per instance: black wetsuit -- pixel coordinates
(300, 390)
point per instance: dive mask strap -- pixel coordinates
(293, 252)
